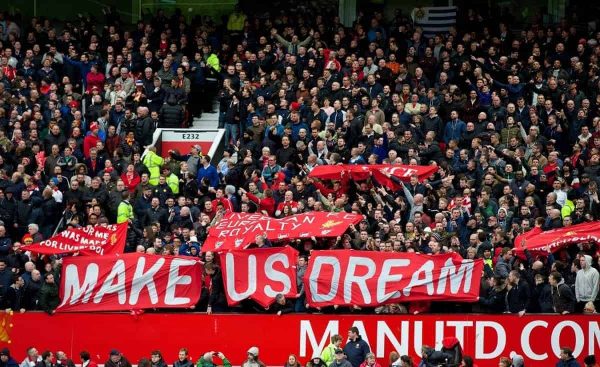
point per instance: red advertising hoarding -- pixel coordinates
(485, 337)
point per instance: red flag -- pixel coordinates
(128, 282)
(404, 172)
(536, 240)
(238, 230)
(378, 171)
(368, 278)
(259, 274)
(97, 240)
(340, 171)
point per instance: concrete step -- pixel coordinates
(208, 120)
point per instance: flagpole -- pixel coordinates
(60, 223)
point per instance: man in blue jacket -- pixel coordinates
(356, 349)
(208, 171)
(454, 128)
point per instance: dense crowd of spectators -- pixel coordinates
(511, 120)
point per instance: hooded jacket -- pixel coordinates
(586, 282)
(563, 298)
(10, 362)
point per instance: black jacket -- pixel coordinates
(14, 298)
(123, 362)
(144, 128)
(32, 290)
(48, 297)
(217, 294)
(563, 299)
(285, 308)
(494, 300)
(541, 299)
(186, 363)
(517, 298)
(171, 114)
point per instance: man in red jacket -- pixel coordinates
(91, 139)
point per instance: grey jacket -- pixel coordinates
(587, 282)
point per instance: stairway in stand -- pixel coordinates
(207, 121)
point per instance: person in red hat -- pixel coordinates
(94, 79)
(91, 139)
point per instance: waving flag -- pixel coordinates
(378, 171)
(539, 242)
(434, 20)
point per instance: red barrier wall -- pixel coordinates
(485, 337)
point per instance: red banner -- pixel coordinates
(538, 241)
(98, 240)
(367, 278)
(363, 172)
(486, 338)
(238, 230)
(128, 282)
(259, 274)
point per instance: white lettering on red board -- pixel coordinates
(77, 290)
(401, 336)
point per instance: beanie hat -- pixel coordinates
(253, 351)
(517, 361)
(5, 352)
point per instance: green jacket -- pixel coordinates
(153, 162)
(204, 363)
(328, 354)
(124, 212)
(567, 209)
(173, 182)
(48, 297)
(236, 22)
(213, 62)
